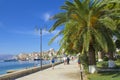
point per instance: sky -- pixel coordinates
(18, 21)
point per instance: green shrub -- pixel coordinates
(84, 60)
(118, 60)
(105, 58)
(102, 64)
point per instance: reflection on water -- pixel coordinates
(15, 65)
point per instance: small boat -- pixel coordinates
(37, 59)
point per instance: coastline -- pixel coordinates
(24, 72)
(18, 65)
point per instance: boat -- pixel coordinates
(37, 59)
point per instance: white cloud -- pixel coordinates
(55, 32)
(45, 32)
(23, 32)
(51, 35)
(37, 33)
(46, 16)
(57, 40)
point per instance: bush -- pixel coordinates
(118, 60)
(105, 58)
(84, 60)
(103, 64)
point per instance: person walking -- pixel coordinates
(79, 63)
(64, 59)
(68, 59)
(53, 61)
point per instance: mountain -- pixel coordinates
(5, 56)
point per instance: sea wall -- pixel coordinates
(23, 72)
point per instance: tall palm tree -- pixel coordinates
(88, 26)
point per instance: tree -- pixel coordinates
(88, 26)
(117, 44)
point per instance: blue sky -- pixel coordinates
(18, 19)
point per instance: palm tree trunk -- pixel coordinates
(111, 55)
(92, 60)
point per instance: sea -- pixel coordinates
(17, 65)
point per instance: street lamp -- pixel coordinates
(41, 47)
(40, 30)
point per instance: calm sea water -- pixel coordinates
(5, 66)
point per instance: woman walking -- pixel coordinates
(53, 61)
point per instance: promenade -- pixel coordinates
(60, 72)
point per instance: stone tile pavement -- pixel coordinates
(60, 72)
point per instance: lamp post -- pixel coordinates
(41, 47)
(40, 32)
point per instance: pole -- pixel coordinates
(81, 72)
(41, 47)
(81, 75)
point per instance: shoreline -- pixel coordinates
(18, 65)
(24, 72)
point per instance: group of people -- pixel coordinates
(66, 60)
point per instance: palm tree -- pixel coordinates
(88, 27)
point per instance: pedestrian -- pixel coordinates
(78, 61)
(72, 58)
(65, 59)
(68, 59)
(53, 61)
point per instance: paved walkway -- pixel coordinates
(60, 72)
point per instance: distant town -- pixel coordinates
(34, 56)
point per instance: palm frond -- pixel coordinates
(59, 33)
(108, 22)
(86, 39)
